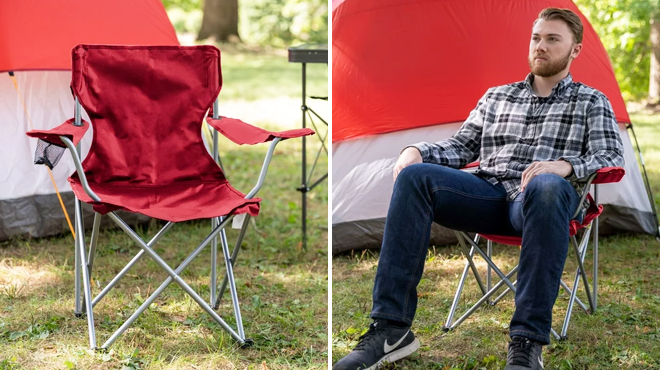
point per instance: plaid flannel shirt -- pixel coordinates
(511, 128)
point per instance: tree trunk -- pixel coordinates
(654, 84)
(220, 20)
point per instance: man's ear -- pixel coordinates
(577, 48)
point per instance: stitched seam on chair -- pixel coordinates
(113, 184)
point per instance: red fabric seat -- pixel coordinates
(174, 202)
(603, 176)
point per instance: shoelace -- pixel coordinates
(366, 340)
(520, 352)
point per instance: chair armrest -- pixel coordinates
(244, 133)
(608, 175)
(471, 167)
(68, 129)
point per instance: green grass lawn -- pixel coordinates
(283, 288)
(623, 334)
(251, 75)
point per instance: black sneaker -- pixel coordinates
(381, 343)
(524, 354)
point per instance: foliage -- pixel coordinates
(284, 22)
(277, 23)
(624, 28)
(186, 5)
(186, 21)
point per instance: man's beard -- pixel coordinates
(549, 68)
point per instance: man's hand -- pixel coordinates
(410, 155)
(561, 168)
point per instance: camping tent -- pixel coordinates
(406, 71)
(36, 38)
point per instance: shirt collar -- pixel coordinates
(558, 89)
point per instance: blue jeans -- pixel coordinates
(424, 193)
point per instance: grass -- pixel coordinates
(283, 288)
(623, 334)
(253, 75)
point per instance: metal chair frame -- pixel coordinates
(488, 289)
(84, 258)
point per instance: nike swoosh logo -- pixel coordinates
(539, 358)
(387, 348)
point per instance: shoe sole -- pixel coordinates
(396, 355)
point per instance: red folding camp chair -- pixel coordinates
(602, 176)
(147, 105)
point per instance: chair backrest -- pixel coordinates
(146, 105)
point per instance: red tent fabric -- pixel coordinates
(400, 64)
(44, 39)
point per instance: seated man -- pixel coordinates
(534, 138)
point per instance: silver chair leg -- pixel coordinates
(457, 296)
(580, 252)
(232, 290)
(462, 238)
(93, 241)
(504, 293)
(130, 264)
(489, 252)
(214, 252)
(577, 299)
(78, 303)
(504, 279)
(234, 255)
(81, 250)
(484, 298)
(215, 298)
(92, 247)
(174, 276)
(595, 249)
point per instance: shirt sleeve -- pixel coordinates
(464, 146)
(603, 142)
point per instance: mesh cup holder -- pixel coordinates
(48, 153)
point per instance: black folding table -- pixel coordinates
(309, 53)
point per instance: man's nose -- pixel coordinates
(541, 46)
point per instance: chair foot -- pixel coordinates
(78, 314)
(446, 329)
(563, 338)
(100, 350)
(247, 343)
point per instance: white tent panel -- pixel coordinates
(49, 103)
(362, 171)
(630, 191)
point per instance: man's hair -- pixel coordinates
(571, 19)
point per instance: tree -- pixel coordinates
(220, 20)
(630, 33)
(654, 78)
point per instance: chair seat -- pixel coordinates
(181, 201)
(592, 212)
